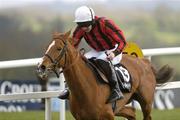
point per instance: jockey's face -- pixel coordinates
(87, 29)
(85, 26)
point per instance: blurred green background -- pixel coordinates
(26, 30)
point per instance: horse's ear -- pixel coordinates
(67, 34)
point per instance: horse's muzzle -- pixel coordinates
(42, 72)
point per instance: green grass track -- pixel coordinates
(39, 115)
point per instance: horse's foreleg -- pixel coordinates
(127, 112)
(107, 117)
(107, 113)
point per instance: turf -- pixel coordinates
(39, 115)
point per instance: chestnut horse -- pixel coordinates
(88, 97)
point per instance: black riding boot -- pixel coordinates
(116, 93)
(64, 94)
(113, 82)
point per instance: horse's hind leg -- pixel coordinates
(146, 108)
(127, 112)
(145, 101)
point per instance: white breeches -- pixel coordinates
(102, 55)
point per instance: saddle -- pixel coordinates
(124, 78)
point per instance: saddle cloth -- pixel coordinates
(124, 78)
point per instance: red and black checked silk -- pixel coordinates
(103, 36)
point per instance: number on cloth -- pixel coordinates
(124, 73)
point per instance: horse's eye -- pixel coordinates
(59, 49)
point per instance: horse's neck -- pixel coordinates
(79, 77)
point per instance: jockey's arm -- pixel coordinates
(114, 32)
(77, 36)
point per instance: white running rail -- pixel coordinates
(38, 95)
(34, 95)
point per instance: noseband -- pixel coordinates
(56, 61)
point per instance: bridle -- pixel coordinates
(55, 62)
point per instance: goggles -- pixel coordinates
(84, 24)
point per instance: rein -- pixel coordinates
(56, 61)
(66, 68)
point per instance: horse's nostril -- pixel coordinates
(43, 67)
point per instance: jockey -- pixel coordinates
(106, 40)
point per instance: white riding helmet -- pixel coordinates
(84, 14)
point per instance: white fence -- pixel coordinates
(36, 95)
(49, 94)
